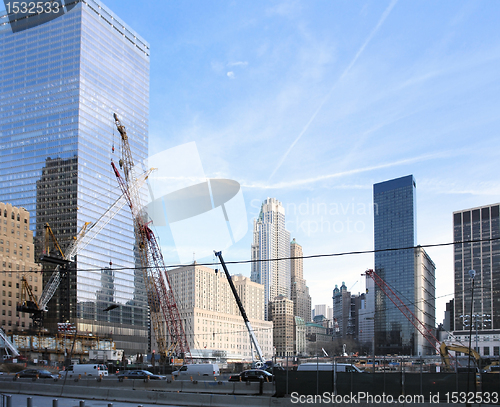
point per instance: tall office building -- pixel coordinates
(271, 241)
(284, 335)
(480, 225)
(341, 311)
(425, 299)
(63, 73)
(366, 317)
(17, 261)
(395, 227)
(213, 323)
(299, 290)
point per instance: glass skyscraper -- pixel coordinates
(395, 228)
(64, 71)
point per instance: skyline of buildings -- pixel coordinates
(489, 345)
(58, 136)
(57, 99)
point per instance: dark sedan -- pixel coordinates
(139, 374)
(253, 375)
(36, 374)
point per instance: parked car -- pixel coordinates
(139, 374)
(35, 373)
(252, 375)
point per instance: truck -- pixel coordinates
(199, 369)
(90, 370)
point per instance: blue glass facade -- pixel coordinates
(394, 228)
(61, 80)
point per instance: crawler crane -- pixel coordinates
(161, 298)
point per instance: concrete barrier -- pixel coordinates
(183, 399)
(173, 386)
(243, 388)
(142, 396)
(124, 392)
(218, 387)
(81, 391)
(10, 386)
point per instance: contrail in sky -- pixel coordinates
(308, 181)
(346, 71)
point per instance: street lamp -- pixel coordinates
(472, 274)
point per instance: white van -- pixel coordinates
(339, 367)
(200, 369)
(87, 370)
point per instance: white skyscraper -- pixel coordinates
(271, 241)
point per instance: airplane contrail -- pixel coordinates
(346, 71)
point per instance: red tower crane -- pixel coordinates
(410, 316)
(161, 300)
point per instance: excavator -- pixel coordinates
(445, 356)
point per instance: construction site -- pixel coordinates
(34, 336)
(64, 339)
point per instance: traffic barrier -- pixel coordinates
(120, 393)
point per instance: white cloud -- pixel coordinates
(238, 63)
(230, 74)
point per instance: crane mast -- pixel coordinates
(160, 296)
(253, 338)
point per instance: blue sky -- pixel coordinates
(312, 102)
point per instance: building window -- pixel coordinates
(496, 350)
(486, 351)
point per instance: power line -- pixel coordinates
(313, 256)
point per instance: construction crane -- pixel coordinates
(86, 234)
(419, 326)
(160, 296)
(10, 348)
(253, 339)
